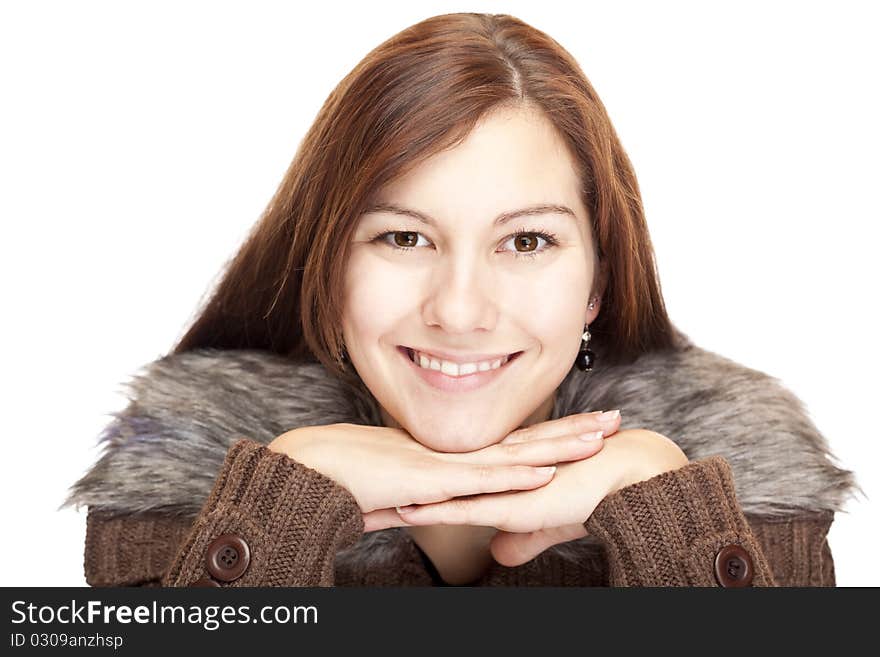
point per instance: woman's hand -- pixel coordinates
(384, 468)
(532, 521)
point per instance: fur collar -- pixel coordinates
(164, 450)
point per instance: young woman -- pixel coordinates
(452, 281)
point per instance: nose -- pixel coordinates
(464, 298)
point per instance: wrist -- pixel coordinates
(650, 454)
(291, 444)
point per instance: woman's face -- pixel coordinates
(464, 285)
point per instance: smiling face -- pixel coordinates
(466, 284)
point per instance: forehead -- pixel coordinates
(512, 158)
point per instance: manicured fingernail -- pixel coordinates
(591, 436)
(609, 416)
(405, 509)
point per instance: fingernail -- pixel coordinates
(591, 436)
(550, 469)
(609, 416)
(405, 509)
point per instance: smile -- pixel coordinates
(448, 377)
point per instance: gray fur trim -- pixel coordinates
(164, 450)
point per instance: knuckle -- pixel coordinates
(510, 450)
(484, 473)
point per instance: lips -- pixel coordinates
(445, 383)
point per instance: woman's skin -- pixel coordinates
(466, 286)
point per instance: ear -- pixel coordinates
(591, 315)
(596, 293)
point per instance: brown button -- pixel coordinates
(227, 557)
(733, 566)
(205, 581)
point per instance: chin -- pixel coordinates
(450, 440)
(455, 432)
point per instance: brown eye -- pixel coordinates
(525, 240)
(406, 243)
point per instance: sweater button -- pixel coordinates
(227, 557)
(733, 566)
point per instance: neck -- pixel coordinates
(459, 553)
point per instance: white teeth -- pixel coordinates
(454, 369)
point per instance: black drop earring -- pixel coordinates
(585, 358)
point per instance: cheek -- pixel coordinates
(552, 304)
(377, 293)
(553, 323)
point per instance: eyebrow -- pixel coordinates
(501, 219)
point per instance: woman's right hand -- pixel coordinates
(384, 467)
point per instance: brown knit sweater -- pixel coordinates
(679, 528)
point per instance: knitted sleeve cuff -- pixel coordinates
(669, 529)
(292, 518)
(796, 547)
(131, 549)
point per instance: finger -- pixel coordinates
(511, 549)
(570, 424)
(558, 427)
(482, 510)
(569, 447)
(457, 479)
(382, 519)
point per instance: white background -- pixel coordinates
(139, 142)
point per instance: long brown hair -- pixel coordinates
(416, 94)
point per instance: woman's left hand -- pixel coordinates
(532, 521)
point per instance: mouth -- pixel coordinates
(410, 353)
(450, 382)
